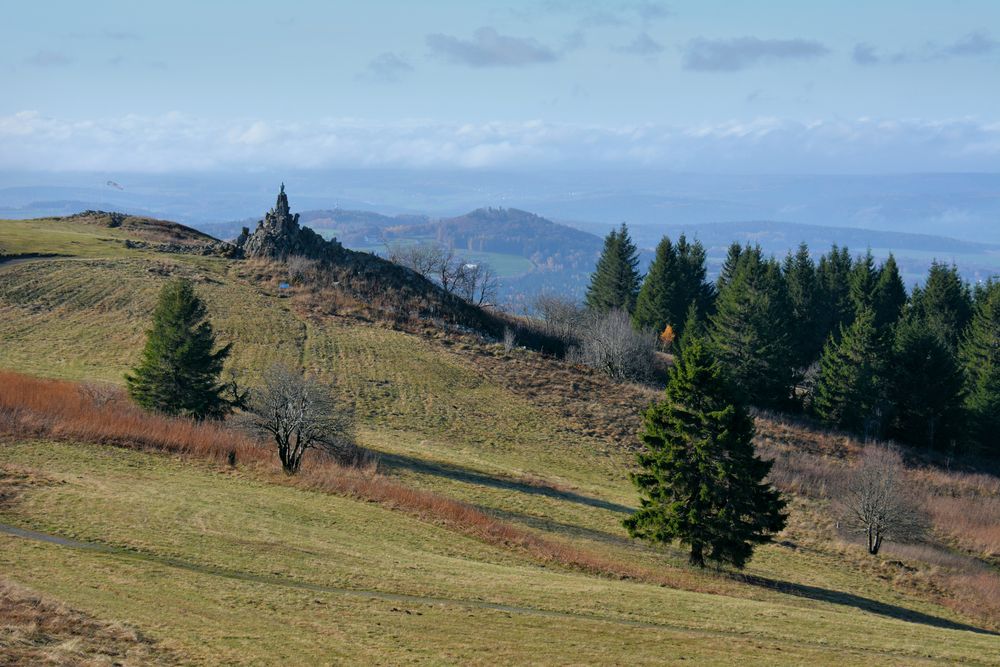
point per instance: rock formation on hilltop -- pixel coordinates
(279, 235)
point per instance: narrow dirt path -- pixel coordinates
(366, 594)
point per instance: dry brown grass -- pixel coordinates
(38, 631)
(35, 407)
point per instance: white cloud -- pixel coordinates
(176, 142)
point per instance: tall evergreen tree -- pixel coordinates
(615, 282)
(926, 387)
(833, 275)
(944, 303)
(178, 372)
(729, 266)
(691, 264)
(804, 302)
(675, 280)
(654, 305)
(980, 355)
(701, 481)
(850, 389)
(863, 281)
(890, 294)
(749, 331)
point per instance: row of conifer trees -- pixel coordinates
(840, 338)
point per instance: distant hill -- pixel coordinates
(914, 252)
(549, 245)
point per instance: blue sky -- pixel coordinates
(773, 86)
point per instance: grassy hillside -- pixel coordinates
(211, 562)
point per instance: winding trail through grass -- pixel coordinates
(369, 594)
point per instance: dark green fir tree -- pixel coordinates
(178, 372)
(700, 480)
(927, 386)
(804, 301)
(890, 294)
(657, 296)
(749, 331)
(980, 356)
(850, 388)
(615, 282)
(944, 303)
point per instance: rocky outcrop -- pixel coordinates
(214, 248)
(279, 236)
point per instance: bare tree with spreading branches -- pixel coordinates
(563, 317)
(299, 413)
(476, 283)
(423, 258)
(877, 502)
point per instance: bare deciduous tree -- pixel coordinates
(563, 317)
(476, 283)
(877, 502)
(610, 344)
(423, 258)
(299, 413)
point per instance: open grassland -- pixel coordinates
(471, 442)
(37, 630)
(217, 565)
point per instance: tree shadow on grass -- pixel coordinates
(859, 602)
(470, 476)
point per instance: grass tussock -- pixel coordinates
(35, 407)
(37, 631)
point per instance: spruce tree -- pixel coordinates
(615, 282)
(850, 389)
(653, 306)
(676, 279)
(980, 356)
(700, 480)
(833, 275)
(692, 270)
(863, 281)
(926, 387)
(890, 294)
(944, 303)
(729, 266)
(750, 331)
(178, 372)
(803, 298)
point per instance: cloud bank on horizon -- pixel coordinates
(176, 142)
(710, 85)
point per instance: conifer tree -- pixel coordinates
(863, 280)
(615, 282)
(729, 266)
(833, 276)
(701, 481)
(657, 294)
(850, 388)
(803, 298)
(694, 288)
(749, 331)
(890, 294)
(178, 372)
(926, 387)
(944, 303)
(675, 280)
(980, 356)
